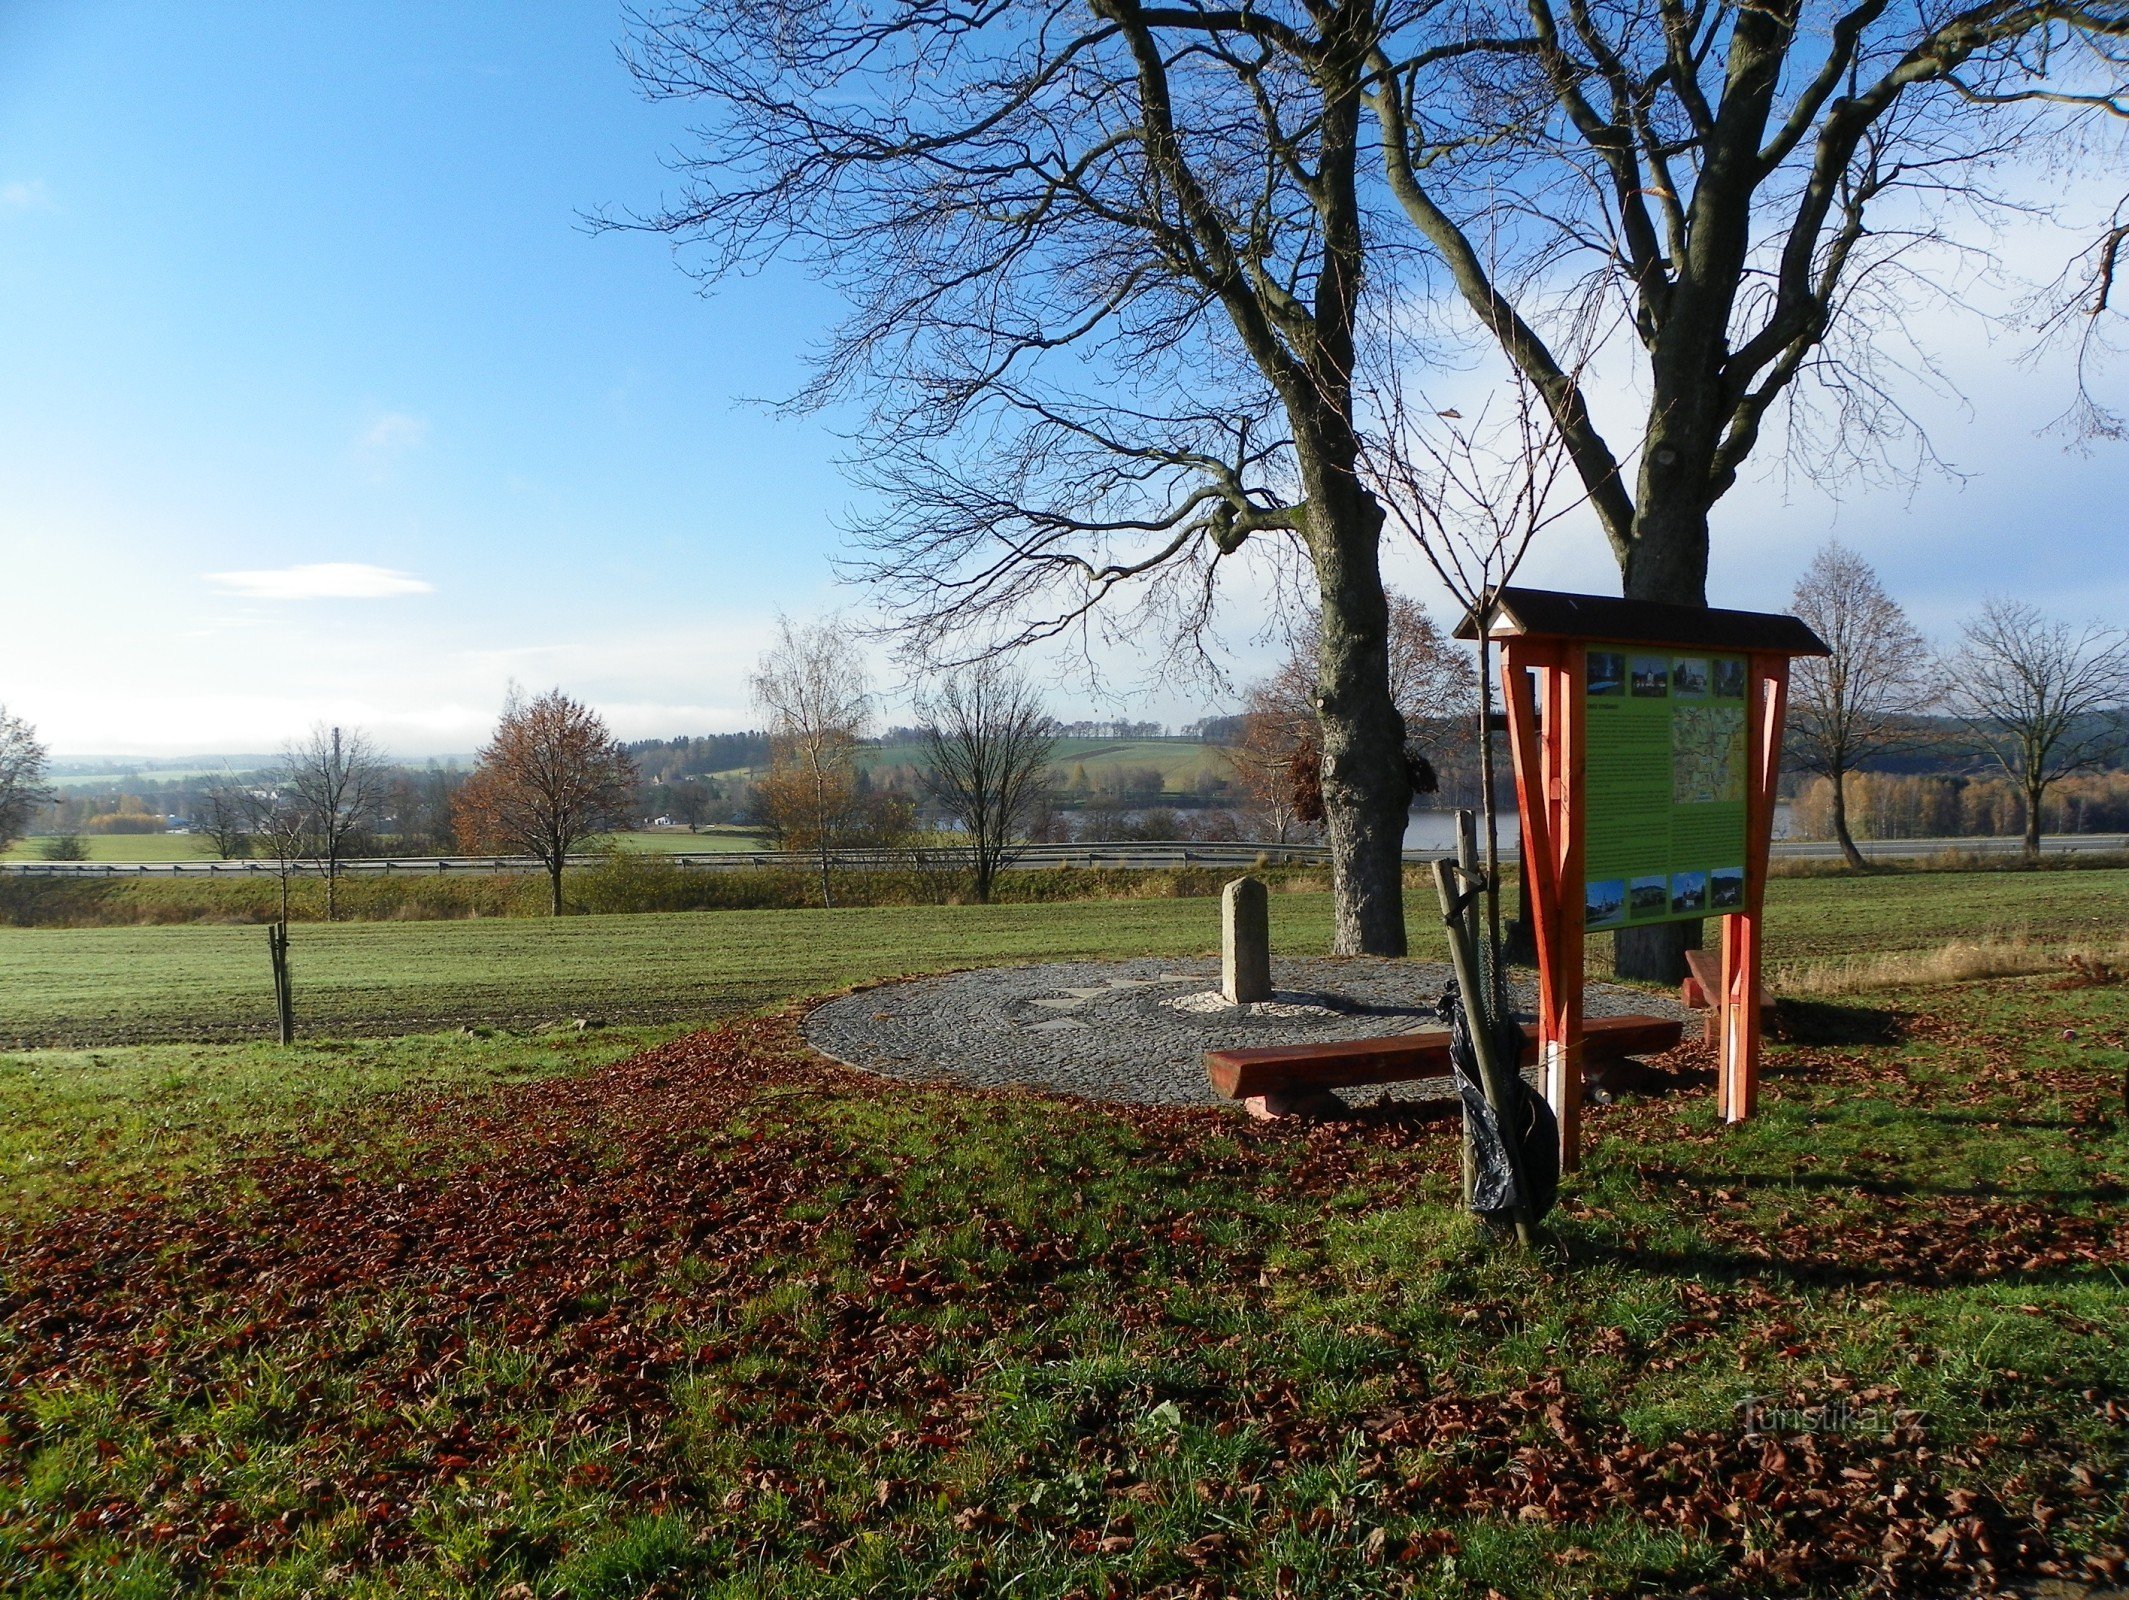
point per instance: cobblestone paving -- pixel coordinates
(1138, 1030)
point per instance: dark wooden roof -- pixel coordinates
(1605, 619)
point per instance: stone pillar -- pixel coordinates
(1245, 942)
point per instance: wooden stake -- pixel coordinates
(1467, 862)
(1498, 1085)
(284, 995)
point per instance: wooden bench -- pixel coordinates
(1703, 987)
(1350, 1063)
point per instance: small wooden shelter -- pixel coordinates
(1647, 743)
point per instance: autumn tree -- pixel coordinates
(23, 762)
(337, 779)
(550, 777)
(1864, 699)
(987, 747)
(1277, 756)
(2042, 697)
(1275, 768)
(811, 686)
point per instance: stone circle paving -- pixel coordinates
(1137, 1031)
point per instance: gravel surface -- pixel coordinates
(1137, 1031)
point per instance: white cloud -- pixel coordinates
(321, 580)
(25, 195)
(393, 432)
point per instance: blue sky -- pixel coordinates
(307, 288)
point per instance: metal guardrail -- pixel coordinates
(1117, 855)
(1120, 854)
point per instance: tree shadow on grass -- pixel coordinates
(1885, 1188)
(1710, 1263)
(1824, 1023)
(1981, 1119)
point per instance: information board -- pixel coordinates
(1663, 787)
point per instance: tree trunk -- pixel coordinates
(2034, 796)
(554, 884)
(1367, 792)
(1667, 560)
(1840, 822)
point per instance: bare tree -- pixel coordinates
(2044, 698)
(550, 777)
(1865, 698)
(2083, 307)
(811, 686)
(1474, 495)
(987, 745)
(1757, 198)
(338, 780)
(225, 815)
(281, 827)
(23, 762)
(1104, 264)
(281, 831)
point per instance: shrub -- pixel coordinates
(124, 822)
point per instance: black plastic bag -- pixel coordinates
(1535, 1130)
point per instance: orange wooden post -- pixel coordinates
(1743, 934)
(1548, 777)
(1564, 1082)
(1534, 809)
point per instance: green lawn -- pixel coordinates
(723, 1321)
(135, 847)
(1180, 762)
(94, 985)
(124, 847)
(679, 842)
(75, 1123)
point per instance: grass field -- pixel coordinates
(136, 847)
(93, 985)
(468, 1317)
(679, 842)
(167, 1115)
(1180, 762)
(97, 984)
(123, 847)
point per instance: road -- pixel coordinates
(1125, 855)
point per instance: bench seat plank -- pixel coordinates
(1352, 1063)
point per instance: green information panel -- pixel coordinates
(1663, 787)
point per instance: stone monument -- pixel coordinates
(1245, 943)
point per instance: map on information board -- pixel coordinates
(1663, 787)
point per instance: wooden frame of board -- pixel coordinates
(1544, 638)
